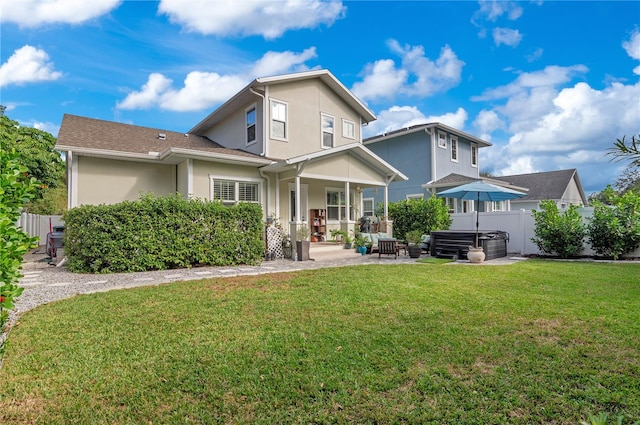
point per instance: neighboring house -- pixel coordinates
(426, 153)
(291, 143)
(562, 186)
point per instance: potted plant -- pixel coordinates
(347, 240)
(414, 237)
(302, 243)
(360, 243)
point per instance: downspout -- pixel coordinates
(264, 121)
(268, 179)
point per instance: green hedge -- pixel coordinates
(161, 233)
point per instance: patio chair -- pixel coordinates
(388, 246)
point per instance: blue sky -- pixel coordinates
(552, 84)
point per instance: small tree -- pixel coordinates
(558, 233)
(614, 229)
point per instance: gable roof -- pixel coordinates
(96, 137)
(248, 94)
(545, 185)
(422, 127)
(356, 149)
(453, 180)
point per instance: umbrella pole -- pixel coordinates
(477, 218)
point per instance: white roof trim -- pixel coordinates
(437, 125)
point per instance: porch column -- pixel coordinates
(347, 201)
(298, 220)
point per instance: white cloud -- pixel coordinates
(27, 65)
(537, 54)
(203, 90)
(553, 127)
(34, 13)
(274, 63)
(632, 46)
(49, 127)
(418, 76)
(487, 122)
(491, 10)
(382, 80)
(398, 117)
(267, 18)
(506, 36)
(550, 76)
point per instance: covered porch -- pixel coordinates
(320, 192)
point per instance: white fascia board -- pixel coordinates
(151, 156)
(214, 155)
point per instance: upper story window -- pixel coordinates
(454, 149)
(279, 120)
(442, 140)
(474, 155)
(348, 129)
(328, 125)
(415, 196)
(251, 124)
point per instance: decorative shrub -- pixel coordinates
(161, 233)
(556, 233)
(424, 215)
(614, 229)
(15, 191)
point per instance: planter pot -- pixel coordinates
(302, 250)
(347, 245)
(362, 250)
(414, 251)
(475, 255)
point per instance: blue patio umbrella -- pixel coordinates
(480, 191)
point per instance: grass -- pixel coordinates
(534, 342)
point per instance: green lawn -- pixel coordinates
(534, 342)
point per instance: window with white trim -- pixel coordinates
(278, 120)
(416, 196)
(250, 122)
(497, 206)
(348, 129)
(367, 207)
(451, 204)
(454, 149)
(232, 192)
(474, 155)
(442, 140)
(328, 125)
(336, 208)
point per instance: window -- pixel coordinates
(496, 206)
(335, 204)
(474, 155)
(278, 120)
(348, 129)
(454, 149)
(251, 125)
(416, 196)
(367, 207)
(232, 192)
(451, 204)
(466, 206)
(442, 140)
(327, 130)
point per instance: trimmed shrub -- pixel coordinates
(614, 229)
(424, 215)
(161, 233)
(15, 191)
(556, 233)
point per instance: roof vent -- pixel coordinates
(186, 134)
(162, 136)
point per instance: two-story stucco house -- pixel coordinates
(291, 143)
(426, 153)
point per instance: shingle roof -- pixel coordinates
(544, 185)
(90, 133)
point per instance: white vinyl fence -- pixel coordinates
(520, 226)
(38, 225)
